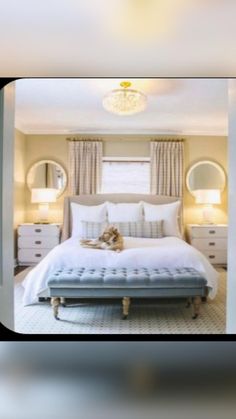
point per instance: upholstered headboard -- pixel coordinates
(116, 198)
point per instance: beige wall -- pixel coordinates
(199, 148)
(41, 147)
(19, 180)
(196, 148)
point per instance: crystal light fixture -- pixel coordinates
(125, 101)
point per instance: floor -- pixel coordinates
(104, 317)
(19, 269)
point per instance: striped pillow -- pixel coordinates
(145, 229)
(92, 230)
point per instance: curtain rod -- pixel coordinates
(151, 140)
(168, 140)
(84, 139)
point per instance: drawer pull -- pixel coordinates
(211, 244)
(212, 231)
(38, 242)
(38, 255)
(38, 230)
(211, 256)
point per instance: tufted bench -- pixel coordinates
(126, 283)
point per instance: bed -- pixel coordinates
(152, 253)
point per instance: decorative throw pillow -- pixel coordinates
(146, 229)
(124, 212)
(92, 230)
(95, 213)
(169, 213)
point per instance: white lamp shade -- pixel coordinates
(43, 195)
(207, 196)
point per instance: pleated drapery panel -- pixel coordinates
(85, 166)
(166, 168)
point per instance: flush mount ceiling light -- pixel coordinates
(125, 101)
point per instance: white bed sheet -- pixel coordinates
(170, 252)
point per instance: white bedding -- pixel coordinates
(170, 252)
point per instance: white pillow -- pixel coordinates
(124, 212)
(169, 213)
(86, 213)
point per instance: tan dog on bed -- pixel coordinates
(110, 239)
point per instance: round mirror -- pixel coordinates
(47, 174)
(205, 174)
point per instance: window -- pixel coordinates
(126, 175)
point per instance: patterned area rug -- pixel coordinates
(99, 317)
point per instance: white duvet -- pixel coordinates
(169, 252)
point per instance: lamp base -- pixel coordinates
(43, 214)
(207, 215)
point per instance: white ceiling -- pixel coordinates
(98, 38)
(175, 106)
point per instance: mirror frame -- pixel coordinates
(213, 163)
(37, 163)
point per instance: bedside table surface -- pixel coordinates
(207, 225)
(38, 224)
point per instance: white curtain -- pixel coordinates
(85, 166)
(166, 169)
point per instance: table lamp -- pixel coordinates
(207, 197)
(43, 196)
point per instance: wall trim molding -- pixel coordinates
(26, 131)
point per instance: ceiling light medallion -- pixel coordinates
(125, 101)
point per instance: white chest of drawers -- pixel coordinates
(35, 241)
(211, 240)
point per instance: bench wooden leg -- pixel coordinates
(189, 302)
(55, 303)
(63, 301)
(126, 304)
(196, 306)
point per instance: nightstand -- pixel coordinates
(211, 240)
(35, 241)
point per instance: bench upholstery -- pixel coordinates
(82, 282)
